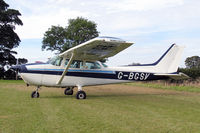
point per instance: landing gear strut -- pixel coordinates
(69, 91)
(80, 94)
(35, 94)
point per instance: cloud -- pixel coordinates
(142, 5)
(117, 17)
(149, 23)
(35, 26)
(37, 18)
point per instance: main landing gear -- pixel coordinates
(79, 95)
(35, 94)
(68, 91)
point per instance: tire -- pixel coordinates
(35, 94)
(80, 95)
(68, 91)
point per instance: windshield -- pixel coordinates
(56, 61)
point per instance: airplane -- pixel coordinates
(80, 66)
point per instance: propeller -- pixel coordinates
(6, 68)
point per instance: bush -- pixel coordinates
(194, 73)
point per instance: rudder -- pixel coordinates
(169, 61)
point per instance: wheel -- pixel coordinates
(80, 95)
(35, 94)
(69, 91)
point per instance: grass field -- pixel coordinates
(189, 87)
(107, 109)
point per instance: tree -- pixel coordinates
(81, 30)
(8, 38)
(61, 39)
(193, 73)
(55, 39)
(193, 62)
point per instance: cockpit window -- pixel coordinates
(81, 65)
(74, 64)
(56, 61)
(92, 65)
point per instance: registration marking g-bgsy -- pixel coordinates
(133, 76)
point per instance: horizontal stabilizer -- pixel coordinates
(174, 76)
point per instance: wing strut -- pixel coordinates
(67, 67)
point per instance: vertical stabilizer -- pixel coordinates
(169, 61)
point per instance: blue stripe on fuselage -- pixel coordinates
(71, 70)
(119, 75)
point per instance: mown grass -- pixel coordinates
(167, 86)
(2, 82)
(104, 111)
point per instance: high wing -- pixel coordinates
(97, 49)
(93, 50)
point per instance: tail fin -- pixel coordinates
(169, 61)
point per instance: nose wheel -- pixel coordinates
(35, 94)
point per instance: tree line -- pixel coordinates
(9, 18)
(192, 67)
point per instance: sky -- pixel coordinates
(153, 25)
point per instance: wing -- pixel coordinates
(97, 49)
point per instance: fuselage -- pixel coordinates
(79, 66)
(48, 74)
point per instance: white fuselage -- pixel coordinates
(84, 73)
(48, 75)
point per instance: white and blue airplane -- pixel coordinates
(80, 66)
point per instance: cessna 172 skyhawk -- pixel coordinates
(80, 66)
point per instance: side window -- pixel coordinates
(87, 65)
(66, 62)
(58, 62)
(97, 66)
(93, 65)
(74, 64)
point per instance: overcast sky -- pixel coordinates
(153, 25)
